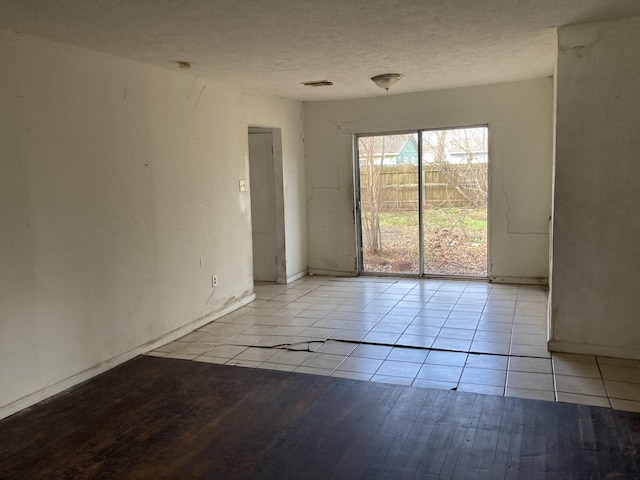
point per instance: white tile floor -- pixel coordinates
(448, 334)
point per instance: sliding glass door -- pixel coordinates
(421, 199)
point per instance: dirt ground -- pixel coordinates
(448, 251)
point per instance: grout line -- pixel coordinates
(604, 384)
(555, 383)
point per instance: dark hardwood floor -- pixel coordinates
(164, 418)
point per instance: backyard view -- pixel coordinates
(455, 241)
(454, 199)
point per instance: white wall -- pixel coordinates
(118, 200)
(596, 260)
(519, 116)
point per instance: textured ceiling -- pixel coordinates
(274, 45)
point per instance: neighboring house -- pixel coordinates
(403, 150)
(463, 157)
(408, 154)
(397, 150)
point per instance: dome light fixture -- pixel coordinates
(386, 80)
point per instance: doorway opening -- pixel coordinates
(421, 202)
(267, 204)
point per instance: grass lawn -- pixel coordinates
(474, 220)
(455, 241)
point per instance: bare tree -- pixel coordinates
(467, 175)
(473, 177)
(372, 151)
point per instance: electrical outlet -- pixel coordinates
(243, 185)
(214, 281)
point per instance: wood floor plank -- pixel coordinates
(507, 464)
(627, 443)
(164, 418)
(485, 444)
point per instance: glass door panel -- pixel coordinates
(389, 203)
(454, 201)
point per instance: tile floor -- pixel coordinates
(448, 334)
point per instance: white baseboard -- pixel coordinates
(332, 273)
(589, 349)
(544, 281)
(520, 280)
(80, 377)
(296, 276)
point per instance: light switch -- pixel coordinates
(243, 185)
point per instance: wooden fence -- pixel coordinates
(458, 186)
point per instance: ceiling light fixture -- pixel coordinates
(386, 80)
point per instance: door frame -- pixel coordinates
(357, 209)
(278, 179)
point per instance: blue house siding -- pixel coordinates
(408, 155)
